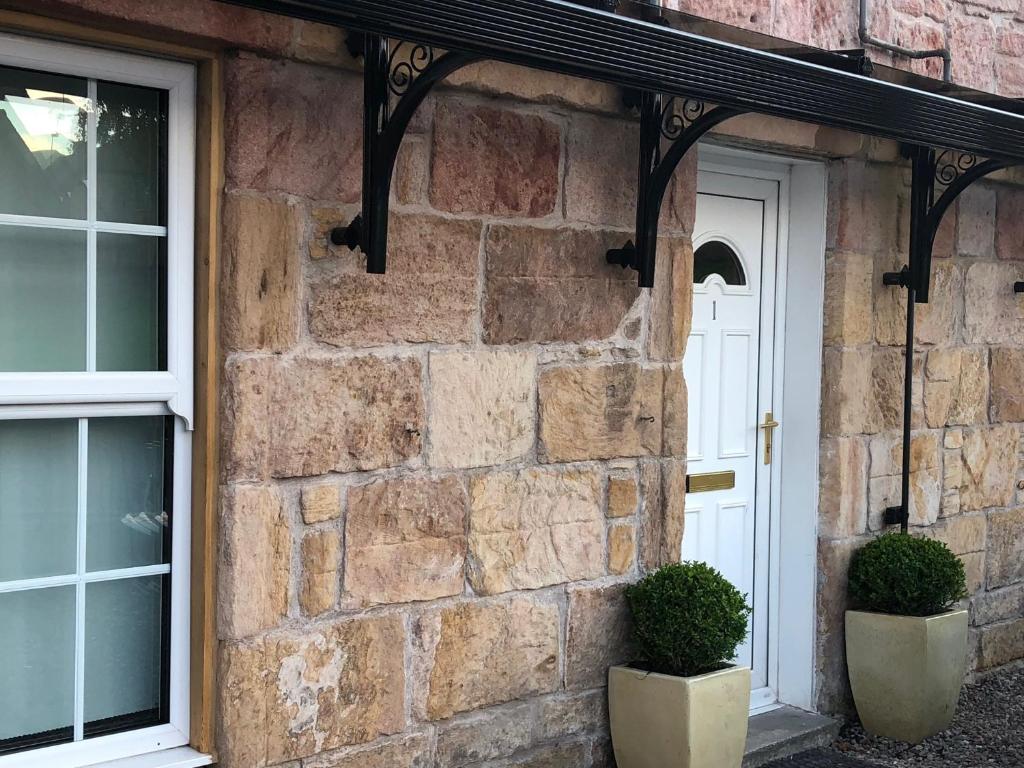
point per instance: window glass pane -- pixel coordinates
(125, 522)
(42, 144)
(42, 299)
(130, 150)
(38, 498)
(717, 258)
(37, 667)
(130, 303)
(124, 654)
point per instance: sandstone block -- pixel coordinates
(1005, 548)
(833, 694)
(1007, 384)
(662, 512)
(989, 459)
(481, 407)
(962, 534)
(1000, 605)
(293, 128)
(246, 418)
(598, 635)
(671, 300)
(956, 387)
(261, 273)
(622, 496)
(405, 540)
(494, 161)
(495, 733)
(977, 220)
(597, 149)
(489, 653)
(320, 503)
(335, 686)
(843, 502)
(861, 220)
(537, 281)
(287, 696)
(255, 557)
(993, 313)
(558, 756)
(602, 412)
(534, 528)
(621, 548)
(936, 321)
(500, 79)
(974, 571)
(410, 752)
(427, 295)
(344, 415)
(321, 572)
(562, 715)
(242, 704)
(849, 287)
(1010, 221)
(194, 20)
(1002, 643)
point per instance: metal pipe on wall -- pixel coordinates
(935, 53)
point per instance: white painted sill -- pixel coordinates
(179, 757)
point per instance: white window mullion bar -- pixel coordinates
(45, 582)
(83, 494)
(81, 225)
(90, 272)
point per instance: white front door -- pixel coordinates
(729, 372)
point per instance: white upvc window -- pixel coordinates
(97, 153)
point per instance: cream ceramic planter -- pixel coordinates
(906, 671)
(661, 721)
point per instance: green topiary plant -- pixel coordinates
(687, 619)
(906, 575)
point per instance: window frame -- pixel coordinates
(104, 394)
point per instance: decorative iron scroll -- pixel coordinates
(949, 165)
(404, 70)
(678, 114)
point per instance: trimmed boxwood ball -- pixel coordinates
(688, 619)
(906, 575)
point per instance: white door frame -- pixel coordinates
(800, 272)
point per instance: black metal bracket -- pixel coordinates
(669, 127)
(954, 172)
(1018, 287)
(397, 78)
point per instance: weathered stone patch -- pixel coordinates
(481, 407)
(610, 411)
(534, 528)
(487, 653)
(405, 540)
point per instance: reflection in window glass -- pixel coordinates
(717, 258)
(131, 126)
(43, 143)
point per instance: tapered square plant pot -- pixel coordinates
(906, 671)
(662, 721)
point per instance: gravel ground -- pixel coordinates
(988, 732)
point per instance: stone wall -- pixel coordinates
(437, 482)
(966, 450)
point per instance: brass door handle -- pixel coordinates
(768, 425)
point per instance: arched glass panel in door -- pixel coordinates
(717, 258)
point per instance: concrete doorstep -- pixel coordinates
(786, 731)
